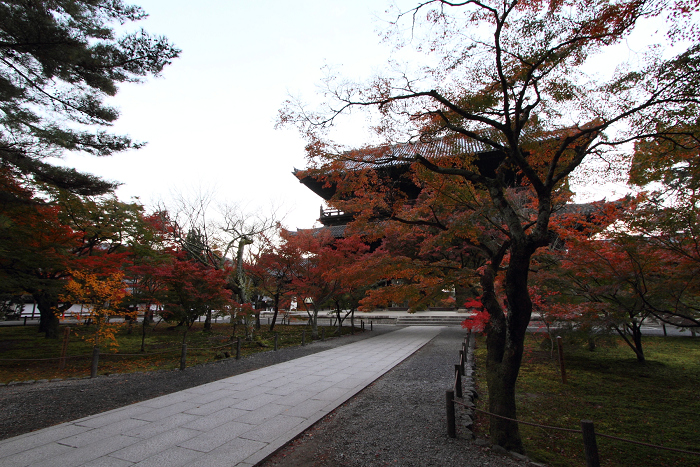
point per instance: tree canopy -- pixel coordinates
(510, 80)
(60, 61)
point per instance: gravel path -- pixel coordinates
(398, 420)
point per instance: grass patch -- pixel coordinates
(162, 349)
(656, 403)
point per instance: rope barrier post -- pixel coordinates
(303, 338)
(183, 357)
(323, 334)
(276, 340)
(450, 405)
(589, 444)
(458, 382)
(95, 360)
(371, 326)
(462, 361)
(561, 360)
(25, 321)
(64, 349)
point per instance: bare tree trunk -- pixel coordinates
(505, 339)
(314, 323)
(276, 310)
(207, 321)
(240, 275)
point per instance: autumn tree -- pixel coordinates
(100, 297)
(191, 290)
(508, 81)
(43, 239)
(272, 270)
(61, 61)
(666, 219)
(35, 249)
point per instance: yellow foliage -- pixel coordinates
(101, 297)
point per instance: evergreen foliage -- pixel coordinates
(59, 62)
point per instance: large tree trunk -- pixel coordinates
(505, 341)
(48, 321)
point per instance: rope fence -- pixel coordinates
(234, 345)
(589, 435)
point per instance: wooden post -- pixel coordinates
(458, 382)
(450, 406)
(95, 360)
(323, 334)
(371, 326)
(276, 340)
(183, 357)
(561, 360)
(303, 338)
(64, 349)
(589, 444)
(25, 321)
(462, 361)
(238, 348)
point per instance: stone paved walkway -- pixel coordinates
(237, 421)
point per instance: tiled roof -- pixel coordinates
(338, 231)
(400, 153)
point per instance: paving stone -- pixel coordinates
(89, 453)
(173, 457)
(307, 408)
(331, 394)
(213, 439)
(167, 400)
(113, 416)
(210, 397)
(213, 406)
(144, 449)
(256, 402)
(151, 429)
(271, 429)
(297, 397)
(229, 454)
(263, 413)
(213, 420)
(97, 434)
(27, 441)
(107, 461)
(166, 412)
(35, 455)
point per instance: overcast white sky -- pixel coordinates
(209, 119)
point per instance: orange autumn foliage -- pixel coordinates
(100, 298)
